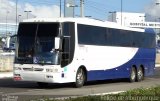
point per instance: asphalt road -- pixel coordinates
(19, 91)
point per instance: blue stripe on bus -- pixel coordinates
(145, 57)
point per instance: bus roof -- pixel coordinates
(86, 21)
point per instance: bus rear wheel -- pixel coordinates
(80, 78)
(132, 75)
(140, 74)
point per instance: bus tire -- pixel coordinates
(42, 84)
(140, 75)
(80, 78)
(132, 75)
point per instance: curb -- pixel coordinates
(157, 65)
(98, 94)
(6, 75)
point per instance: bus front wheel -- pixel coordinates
(80, 78)
(132, 75)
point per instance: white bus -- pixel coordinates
(77, 50)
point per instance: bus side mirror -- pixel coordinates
(57, 43)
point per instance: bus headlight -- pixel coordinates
(17, 68)
(51, 70)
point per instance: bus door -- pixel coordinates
(65, 54)
(68, 43)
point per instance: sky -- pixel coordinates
(98, 9)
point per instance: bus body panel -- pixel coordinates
(115, 62)
(123, 71)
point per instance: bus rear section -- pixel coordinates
(112, 53)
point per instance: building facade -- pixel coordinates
(134, 20)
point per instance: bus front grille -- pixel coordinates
(33, 69)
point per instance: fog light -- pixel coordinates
(49, 70)
(52, 70)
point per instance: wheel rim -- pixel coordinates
(140, 74)
(133, 75)
(80, 77)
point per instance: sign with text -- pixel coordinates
(144, 24)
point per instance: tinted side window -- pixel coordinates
(91, 35)
(94, 35)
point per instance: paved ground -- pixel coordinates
(158, 58)
(30, 90)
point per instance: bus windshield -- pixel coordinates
(36, 43)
